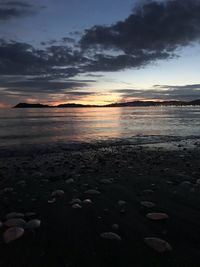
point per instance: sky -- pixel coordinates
(98, 52)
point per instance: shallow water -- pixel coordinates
(40, 126)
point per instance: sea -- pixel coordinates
(89, 125)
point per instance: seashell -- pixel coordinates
(15, 222)
(147, 204)
(111, 236)
(157, 216)
(33, 224)
(14, 215)
(58, 193)
(12, 234)
(92, 192)
(158, 244)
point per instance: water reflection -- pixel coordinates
(20, 126)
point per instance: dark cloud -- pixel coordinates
(153, 31)
(14, 9)
(163, 92)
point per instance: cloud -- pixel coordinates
(15, 9)
(162, 92)
(153, 31)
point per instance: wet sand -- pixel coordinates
(164, 174)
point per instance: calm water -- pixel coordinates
(30, 126)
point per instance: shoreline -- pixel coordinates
(165, 174)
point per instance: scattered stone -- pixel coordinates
(15, 222)
(58, 193)
(69, 181)
(1, 224)
(50, 201)
(158, 244)
(75, 201)
(76, 206)
(33, 224)
(87, 201)
(30, 214)
(121, 203)
(12, 234)
(198, 181)
(8, 189)
(12, 215)
(157, 216)
(115, 226)
(105, 181)
(92, 192)
(111, 236)
(147, 204)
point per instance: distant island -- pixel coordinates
(124, 104)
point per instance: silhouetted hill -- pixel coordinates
(26, 105)
(124, 104)
(73, 105)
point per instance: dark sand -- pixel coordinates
(71, 237)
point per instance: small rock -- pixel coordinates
(121, 203)
(12, 215)
(105, 181)
(92, 192)
(111, 236)
(69, 181)
(147, 204)
(115, 226)
(158, 244)
(87, 201)
(30, 214)
(157, 216)
(50, 201)
(33, 224)
(12, 234)
(58, 193)
(75, 201)
(15, 222)
(76, 206)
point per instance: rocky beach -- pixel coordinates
(114, 204)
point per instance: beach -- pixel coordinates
(103, 188)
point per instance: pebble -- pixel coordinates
(12, 215)
(33, 224)
(158, 244)
(105, 181)
(121, 203)
(115, 226)
(147, 204)
(76, 206)
(157, 216)
(75, 201)
(12, 234)
(69, 181)
(92, 192)
(15, 222)
(52, 200)
(111, 236)
(87, 201)
(58, 193)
